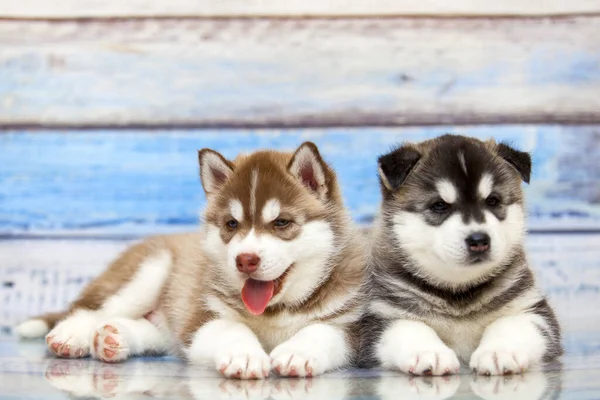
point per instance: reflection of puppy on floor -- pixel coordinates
(417, 387)
(275, 389)
(533, 385)
(82, 378)
(144, 380)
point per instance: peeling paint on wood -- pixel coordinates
(302, 8)
(299, 72)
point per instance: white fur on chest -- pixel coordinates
(270, 331)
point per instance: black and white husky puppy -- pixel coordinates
(449, 276)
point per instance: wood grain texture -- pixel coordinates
(299, 72)
(228, 8)
(138, 182)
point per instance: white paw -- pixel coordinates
(244, 365)
(489, 361)
(71, 337)
(110, 344)
(297, 359)
(440, 361)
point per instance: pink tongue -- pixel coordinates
(256, 295)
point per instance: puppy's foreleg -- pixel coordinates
(315, 349)
(132, 299)
(230, 346)
(514, 344)
(415, 348)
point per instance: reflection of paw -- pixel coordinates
(109, 344)
(295, 388)
(441, 361)
(243, 389)
(70, 338)
(246, 365)
(106, 382)
(421, 387)
(295, 358)
(527, 386)
(490, 361)
(71, 376)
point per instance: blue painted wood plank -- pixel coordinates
(288, 72)
(140, 181)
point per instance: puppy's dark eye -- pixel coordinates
(492, 201)
(439, 206)
(281, 223)
(232, 224)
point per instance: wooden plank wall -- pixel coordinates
(102, 104)
(299, 72)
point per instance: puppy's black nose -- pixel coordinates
(478, 242)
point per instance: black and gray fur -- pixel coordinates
(408, 177)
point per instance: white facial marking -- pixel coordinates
(486, 184)
(447, 191)
(236, 209)
(463, 163)
(253, 184)
(271, 210)
(308, 253)
(440, 252)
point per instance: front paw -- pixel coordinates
(441, 361)
(297, 360)
(244, 364)
(488, 360)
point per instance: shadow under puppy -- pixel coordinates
(278, 268)
(449, 277)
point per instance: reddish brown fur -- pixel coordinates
(194, 276)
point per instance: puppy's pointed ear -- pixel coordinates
(394, 167)
(520, 160)
(308, 167)
(214, 170)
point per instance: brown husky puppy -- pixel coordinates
(272, 281)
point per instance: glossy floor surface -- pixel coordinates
(567, 267)
(26, 372)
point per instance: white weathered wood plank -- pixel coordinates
(284, 8)
(299, 72)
